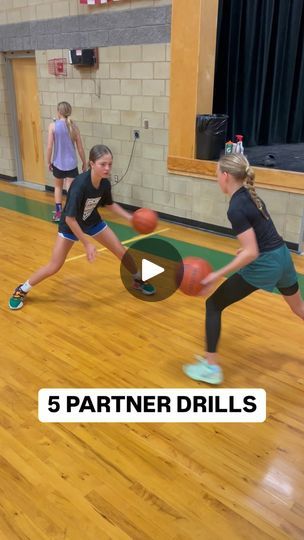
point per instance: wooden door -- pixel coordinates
(28, 116)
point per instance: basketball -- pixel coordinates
(194, 271)
(144, 220)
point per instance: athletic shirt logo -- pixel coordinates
(89, 207)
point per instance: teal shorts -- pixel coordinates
(271, 269)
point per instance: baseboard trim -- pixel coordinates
(7, 178)
(51, 189)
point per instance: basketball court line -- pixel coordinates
(133, 239)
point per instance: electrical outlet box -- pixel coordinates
(136, 134)
(115, 178)
(146, 124)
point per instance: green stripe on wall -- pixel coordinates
(43, 211)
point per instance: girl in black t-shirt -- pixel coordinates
(80, 220)
(262, 262)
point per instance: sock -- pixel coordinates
(58, 207)
(26, 287)
(137, 276)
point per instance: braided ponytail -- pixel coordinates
(249, 184)
(238, 166)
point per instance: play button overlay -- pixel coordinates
(150, 270)
(160, 264)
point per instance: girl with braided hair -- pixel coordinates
(262, 262)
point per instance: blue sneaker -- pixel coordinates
(143, 286)
(202, 371)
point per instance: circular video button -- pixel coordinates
(160, 265)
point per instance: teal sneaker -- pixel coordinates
(143, 286)
(202, 371)
(17, 298)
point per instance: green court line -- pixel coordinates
(43, 211)
(25, 206)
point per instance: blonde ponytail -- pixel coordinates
(65, 109)
(249, 184)
(71, 129)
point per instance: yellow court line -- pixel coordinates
(135, 238)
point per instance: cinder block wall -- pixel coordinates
(130, 85)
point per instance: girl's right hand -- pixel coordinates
(91, 252)
(210, 279)
(50, 167)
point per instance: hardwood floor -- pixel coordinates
(141, 481)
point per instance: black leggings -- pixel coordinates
(232, 290)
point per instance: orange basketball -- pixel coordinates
(144, 220)
(194, 271)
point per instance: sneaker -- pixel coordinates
(56, 217)
(202, 371)
(17, 298)
(143, 286)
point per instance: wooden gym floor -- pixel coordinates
(140, 481)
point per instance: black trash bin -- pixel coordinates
(211, 133)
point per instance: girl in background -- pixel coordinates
(63, 135)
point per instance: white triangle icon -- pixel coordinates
(150, 270)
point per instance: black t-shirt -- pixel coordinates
(82, 201)
(243, 214)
